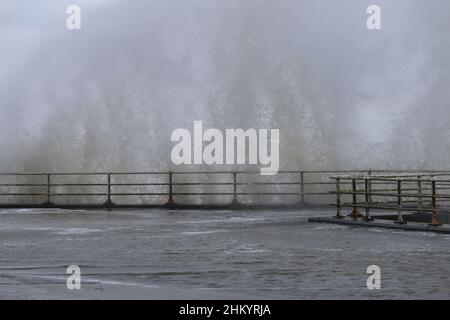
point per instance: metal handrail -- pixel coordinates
(308, 184)
(403, 195)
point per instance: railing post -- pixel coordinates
(400, 203)
(419, 192)
(368, 198)
(47, 202)
(302, 188)
(234, 203)
(434, 219)
(355, 213)
(108, 203)
(170, 202)
(338, 199)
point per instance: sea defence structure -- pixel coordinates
(175, 189)
(381, 198)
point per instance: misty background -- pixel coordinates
(108, 96)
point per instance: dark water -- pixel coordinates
(219, 254)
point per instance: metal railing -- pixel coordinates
(177, 188)
(420, 192)
(235, 184)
